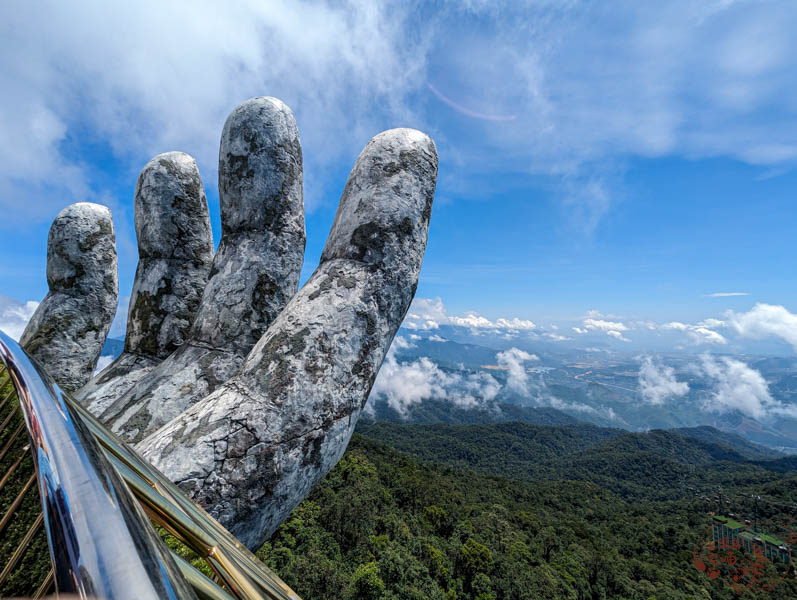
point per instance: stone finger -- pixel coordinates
(68, 329)
(175, 249)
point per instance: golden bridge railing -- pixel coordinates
(100, 500)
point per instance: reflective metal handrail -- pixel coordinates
(93, 489)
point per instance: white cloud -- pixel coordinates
(514, 360)
(437, 338)
(426, 313)
(617, 335)
(14, 316)
(476, 321)
(472, 320)
(601, 325)
(613, 329)
(702, 333)
(514, 323)
(736, 386)
(401, 343)
(404, 384)
(658, 383)
(765, 320)
(430, 313)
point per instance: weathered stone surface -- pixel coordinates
(68, 329)
(253, 449)
(191, 372)
(254, 274)
(113, 381)
(175, 249)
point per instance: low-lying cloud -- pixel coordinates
(404, 384)
(514, 360)
(657, 383)
(737, 386)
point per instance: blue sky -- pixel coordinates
(630, 158)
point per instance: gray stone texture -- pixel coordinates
(68, 329)
(254, 273)
(175, 249)
(253, 449)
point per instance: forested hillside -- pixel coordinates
(387, 525)
(432, 411)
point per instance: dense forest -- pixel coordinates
(511, 511)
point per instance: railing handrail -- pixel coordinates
(93, 488)
(101, 543)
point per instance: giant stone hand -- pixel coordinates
(239, 388)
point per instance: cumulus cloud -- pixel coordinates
(437, 338)
(404, 384)
(765, 320)
(476, 321)
(617, 335)
(601, 325)
(514, 361)
(14, 316)
(595, 322)
(702, 333)
(658, 383)
(430, 313)
(736, 386)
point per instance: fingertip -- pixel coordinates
(81, 246)
(260, 167)
(171, 211)
(384, 212)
